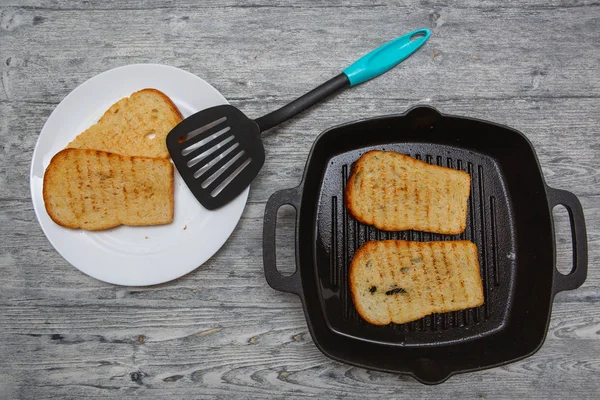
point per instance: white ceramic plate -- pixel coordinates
(134, 256)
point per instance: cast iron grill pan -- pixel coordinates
(509, 219)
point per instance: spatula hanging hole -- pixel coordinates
(417, 36)
(209, 165)
(150, 135)
(220, 171)
(202, 142)
(208, 152)
(230, 178)
(196, 132)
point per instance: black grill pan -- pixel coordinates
(509, 219)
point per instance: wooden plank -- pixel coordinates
(488, 63)
(205, 351)
(185, 4)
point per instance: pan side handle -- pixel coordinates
(578, 274)
(292, 283)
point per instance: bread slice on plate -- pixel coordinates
(401, 281)
(134, 126)
(96, 190)
(395, 192)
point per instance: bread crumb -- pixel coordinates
(146, 237)
(185, 227)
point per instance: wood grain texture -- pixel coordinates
(220, 331)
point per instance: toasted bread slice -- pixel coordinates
(134, 126)
(400, 281)
(96, 190)
(395, 192)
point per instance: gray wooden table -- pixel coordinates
(221, 331)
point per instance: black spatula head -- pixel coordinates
(218, 152)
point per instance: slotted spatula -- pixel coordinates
(219, 151)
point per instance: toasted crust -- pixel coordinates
(134, 126)
(167, 100)
(396, 192)
(96, 190)
(400, 281)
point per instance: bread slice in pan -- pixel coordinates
(134, 126)
(401, 281)
(96, 190)
(395, 192)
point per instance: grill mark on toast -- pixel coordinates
(386, 256)
(459, 261)
(93, 182)
(395, 195)
(86, 194)
(417, 204)
(449, 276)
(136, 192)
(449, 210)
(428, 200)
(449, 165)
(117, 191)
(368, 206)
(83, 176)
(69, 189)
(404, 197)
(125, 195)
(380, 261)
(413, 283)
(110, 174)
(426, 252)
(414, 251)
(393, 259)
(77, 184)
(359, 189)
(472, 259)
(437, 276)
(385, 212)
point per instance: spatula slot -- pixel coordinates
(202, 129)
(208, 152)
(215, 159)
(220, 171)
(202, 142)
(230, 178)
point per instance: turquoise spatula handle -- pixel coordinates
(386, 57)
(373, 64)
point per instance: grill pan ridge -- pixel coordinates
(509, 219)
